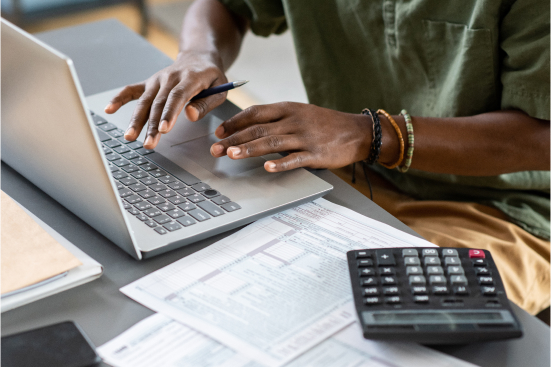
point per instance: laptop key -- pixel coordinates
(177, 199)
(167, 179)
(139, 161)
(152, 212)
(130, 168)
(107, 127)
(162, 219)
(157, 187)
(128, 181)
(123, 140)
(165, 207)
(135, 145)
(130, 155)
(121, 149)
(103, 136)
(187, 206)
(142, 217)
(143, 205)
(112, 157)
(144, 151)
(221, 200)
(186, 221)
(230, 207)
(137, 187)
(106, 150)
(167, 193)
(125, 205)
(156, 200)
(117, 133)
(157, 173)
(210, 193)
(119, 175)
(146, 194)
(177, 185)
(120, 186)
(112, 167)
(121, 162)
(195, 198)
(111, 143)
(148, 180)
(125, 192)
(200, 187)
(199, 215)
(172, 226)
(133, 199)
(139, 174)
(98, 120)
(148, 167)
(161, 230)
(176, 213)
(173, 168)
(133, 211)
(185, 191)
(210, 208)
(150, 223)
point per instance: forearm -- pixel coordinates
(483, 145)
(210, 28)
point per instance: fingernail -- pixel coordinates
(217, 149)
(163, 126)
(270, 165)
(108, 107)
(235, 151)
(219, 131)
(148, 141)
(130, 131)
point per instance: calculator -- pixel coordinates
(430, 295)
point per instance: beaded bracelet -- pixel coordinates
(400, 138)
(376, 142)
(409, 155)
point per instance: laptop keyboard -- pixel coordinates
(163, 201)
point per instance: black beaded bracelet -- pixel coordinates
(377, 137)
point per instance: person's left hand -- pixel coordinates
(315, 137)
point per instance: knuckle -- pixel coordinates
(202, 106)
(250, 149)
(178, 92)
(274, 142)
(252, 111)
(159, 102)
(257, 131)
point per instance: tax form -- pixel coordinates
(274, 289)
(159, 341)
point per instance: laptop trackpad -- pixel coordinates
(198, 150)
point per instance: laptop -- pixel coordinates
(145, 201)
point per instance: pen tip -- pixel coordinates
(239, 83)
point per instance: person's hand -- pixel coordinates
(162, 97)
(315, 137)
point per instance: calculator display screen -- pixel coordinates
(436, 316)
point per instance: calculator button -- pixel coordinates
(364, 263)
(489, 291)
(485, 280)
(409, 252)
(421, 299)
(385, 257)
(367, 272)
(371, 291)
(417, 280)
(389, 291)
(461, 290)
(414, 270)
(480, 262)
(362, 254)
(419, 290)
(437, 280)
(476, 254)
(449, 252)
(458, 280)
(372, 300)
(393, 300)
(412, 261)
(482, 271)
(368, 281)
(455, 270)
(430, 252)
(449, 261)
(435, 270)
(439, 290)
(432, 261)
(388, 280)
(387, 271)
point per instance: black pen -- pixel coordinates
(219, 89)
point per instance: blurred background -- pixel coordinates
(269, 63)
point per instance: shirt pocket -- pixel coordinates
(461, 72)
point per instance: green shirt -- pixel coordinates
(434, 58)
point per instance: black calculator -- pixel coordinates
(430, 295)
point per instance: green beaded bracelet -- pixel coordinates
(409, 154)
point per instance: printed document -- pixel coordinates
(159, 341)
(277, 287)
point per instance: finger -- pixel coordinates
(141, 112)
(157, 107)
(251, 116)
(127, 94)
(267, 145)
(250, 134)
(197, 109)
(292, 161)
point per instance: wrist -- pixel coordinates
(208, 56)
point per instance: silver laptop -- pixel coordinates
(147, 202)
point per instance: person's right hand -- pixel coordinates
(162, 97)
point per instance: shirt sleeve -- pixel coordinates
(525, 41)
(266, 16)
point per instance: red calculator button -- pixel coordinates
(476, 254)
